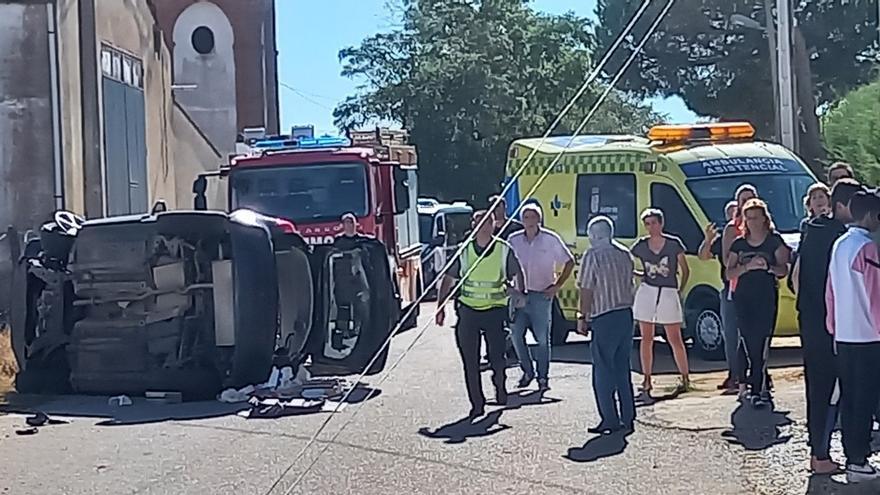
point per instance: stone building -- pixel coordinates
(224, 53)
(107, 106)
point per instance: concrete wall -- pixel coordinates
(128, 25)
(26, 152)
(71, 123)
(191, 155)
(212, 102)
(253, 26)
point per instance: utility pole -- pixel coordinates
(784, 79)
(770, 31)
(93, 188)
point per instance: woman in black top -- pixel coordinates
(757, 259)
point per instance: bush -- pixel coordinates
(851, 130)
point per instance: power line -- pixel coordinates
(544, 175)
(305, 96)
(590, 79)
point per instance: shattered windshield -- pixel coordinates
(302, 193)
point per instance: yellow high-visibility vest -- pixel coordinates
(485, 287)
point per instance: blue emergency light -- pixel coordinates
(324, 141)
(274, 143)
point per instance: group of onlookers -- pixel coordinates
(835, 272)
(838, 287)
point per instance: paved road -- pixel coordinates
(411, 439)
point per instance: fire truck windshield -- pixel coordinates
(302, 193)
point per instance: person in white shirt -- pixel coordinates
(852, 297)
(541, 253)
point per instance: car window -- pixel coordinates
(612, 195)
(679, 221)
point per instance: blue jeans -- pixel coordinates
(610, 348)
(730, 327)
(537, 315)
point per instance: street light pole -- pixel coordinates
(770, 31)
(786, 97)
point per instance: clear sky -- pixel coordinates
(311, 33)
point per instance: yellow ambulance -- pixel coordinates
(688, 171)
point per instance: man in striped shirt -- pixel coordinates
(606, 298)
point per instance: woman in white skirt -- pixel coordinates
(657, 300)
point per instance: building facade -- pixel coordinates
(225, 62)
(96, 116)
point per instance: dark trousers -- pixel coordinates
(756, 316)
(610, 348)
(471, 324)
(858, 366)
(820, 375)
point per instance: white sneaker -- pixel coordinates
(859, 473)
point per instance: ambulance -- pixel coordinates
(688, 171)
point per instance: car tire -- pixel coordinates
(704, 326)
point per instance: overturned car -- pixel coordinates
(193, 301)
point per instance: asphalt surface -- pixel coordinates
(411, 438)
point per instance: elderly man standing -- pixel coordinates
(540, 252)
(606, 298)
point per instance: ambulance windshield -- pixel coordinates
(783, 193)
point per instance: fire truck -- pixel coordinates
(309, 183)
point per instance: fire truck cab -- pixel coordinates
(313, 181)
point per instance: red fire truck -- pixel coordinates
(311, 182)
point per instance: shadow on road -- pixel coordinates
(461, 430)
(598, 448)
(757, 428)
(836, 485)
(532, 398)
(579, 353)
(140, 411)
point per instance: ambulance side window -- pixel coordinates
(612, 195)
(679, 220)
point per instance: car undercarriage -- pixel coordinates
(193, 301)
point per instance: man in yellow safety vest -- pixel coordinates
(482, 306)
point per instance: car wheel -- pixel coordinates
(708, 333)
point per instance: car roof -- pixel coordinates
(604, 144)
(445, 208)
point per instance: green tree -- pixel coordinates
(466, 77)
(722, 69)
(852, 131)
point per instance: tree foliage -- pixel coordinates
(852, 131)
(723, 70)
(466, 77)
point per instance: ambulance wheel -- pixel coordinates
(704, 325)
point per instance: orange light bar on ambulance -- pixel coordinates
(723, 131)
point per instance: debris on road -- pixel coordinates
(286, 393)
(157, 397)
(119, 401)
(232, 396)
(27, 431)
(41, 419)
(277, 408)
